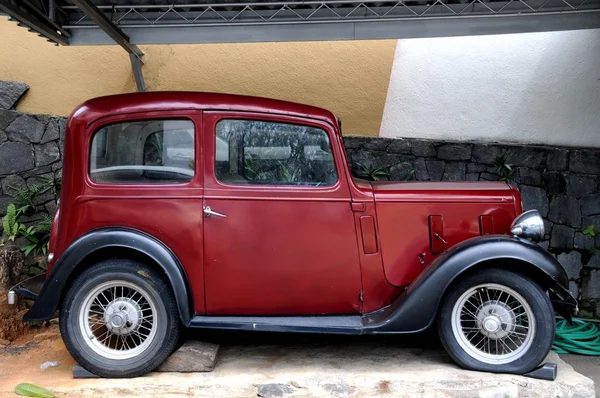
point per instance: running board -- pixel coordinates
(342, 324)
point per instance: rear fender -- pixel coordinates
(71, 263)
(417, 307)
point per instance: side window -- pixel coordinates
(143, 152)
(269, 153)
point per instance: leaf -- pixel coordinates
(9, 222)
(31, 390)
(409, 176)
(590, 231)
(32, 239)
(28, 248)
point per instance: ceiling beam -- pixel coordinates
(112, 30)
(368, 30)
(18, 11)
(118, 36)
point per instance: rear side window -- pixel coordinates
(270, 153)
(143, 152)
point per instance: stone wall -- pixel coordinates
(30, 151)
(562, 183)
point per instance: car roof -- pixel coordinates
(96, 108)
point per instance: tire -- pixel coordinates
(481, 331)
(133, 332)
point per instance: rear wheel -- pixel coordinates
(119, 319)
(497, 321)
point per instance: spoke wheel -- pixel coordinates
(493, 323)
(119, 319)
(496, 320)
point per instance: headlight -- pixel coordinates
(528, 225)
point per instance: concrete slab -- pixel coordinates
(192, 356)
(299, 366)
(588, 366)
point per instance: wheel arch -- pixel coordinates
(111, 243)
(516, 265)
(418, 305)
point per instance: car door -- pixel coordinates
(279, 234)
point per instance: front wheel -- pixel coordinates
(497, 321)
(119, 319)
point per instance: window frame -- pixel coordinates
(192, 116)
(272, 118)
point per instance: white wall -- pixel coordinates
(541, 88)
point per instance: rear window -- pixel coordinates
(143, 152)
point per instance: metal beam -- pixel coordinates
(107, 26)
(116, 34)
(293, 12)
(361, 30)
(35, 22)
(50, 20)
(136, 66)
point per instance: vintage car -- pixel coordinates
(197, 210)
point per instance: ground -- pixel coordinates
(586, 365)
(271, 365)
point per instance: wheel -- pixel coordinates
(497, 321)
(119, 319)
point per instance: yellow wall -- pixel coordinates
(350, 78)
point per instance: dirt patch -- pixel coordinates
(11, 324)
(21, 360)
(12, 327)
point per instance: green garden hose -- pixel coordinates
(579, 338)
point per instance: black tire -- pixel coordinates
(167, 319)
(533, 294)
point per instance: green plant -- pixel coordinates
(289, 173)
(25, 197)
(35, 244)
(503, 169)
(10, 226)
(409, 176)
(37, 235)
(44, 226)
(53, 183)
(371, 173)
(590, 231)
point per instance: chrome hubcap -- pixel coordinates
(493, 323)
(118, 320)
(122, 316)
(496, 320)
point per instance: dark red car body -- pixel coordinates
(350, 248)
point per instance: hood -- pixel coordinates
(417, 221)
(457, 192)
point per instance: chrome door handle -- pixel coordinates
(208, 212)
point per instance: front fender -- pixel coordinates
(417, 307)
(50, 295)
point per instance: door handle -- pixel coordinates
(208, 212)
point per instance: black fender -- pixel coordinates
(416, 308)
(51, 292)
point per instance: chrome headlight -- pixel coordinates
(528, 225)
